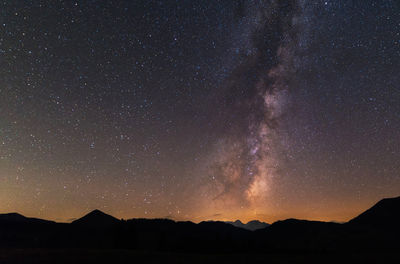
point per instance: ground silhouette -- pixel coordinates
(373, 233)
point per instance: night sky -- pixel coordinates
(196, 110)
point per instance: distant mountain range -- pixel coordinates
(252, 225)
(378, 227)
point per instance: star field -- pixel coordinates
(199, 110)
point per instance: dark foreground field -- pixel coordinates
(44, 256)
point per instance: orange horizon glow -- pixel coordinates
(339, 215)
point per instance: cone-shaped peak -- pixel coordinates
(96, 218)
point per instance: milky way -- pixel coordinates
(245, 164)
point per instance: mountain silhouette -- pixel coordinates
(18, 218)
(15, 217)
(255, 225)
(96, 218)
(384, 214)
(376, 228)
(251, 225)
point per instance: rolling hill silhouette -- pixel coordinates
(18, 218)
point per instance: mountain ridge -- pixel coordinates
(384, 212)
(376, 227)
(19, 218)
